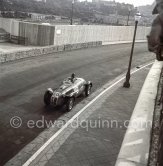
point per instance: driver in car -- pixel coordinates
(73, 77)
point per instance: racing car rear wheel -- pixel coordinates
(47, 98)
(69, 104)
(88, 90)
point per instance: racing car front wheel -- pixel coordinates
(47, 98)
(69, 103)
(88, 90)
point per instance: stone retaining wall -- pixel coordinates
(45, 35)
(6, 57)
(65, 34)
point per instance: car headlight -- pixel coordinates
(57, 94)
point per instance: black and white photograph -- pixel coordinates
(81, 83)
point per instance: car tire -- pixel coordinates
(47, 97)
(70, 104)
(88, 90)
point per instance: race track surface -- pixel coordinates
(23, 83)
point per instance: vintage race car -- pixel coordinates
(69, 90)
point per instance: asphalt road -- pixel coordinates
(22, 86)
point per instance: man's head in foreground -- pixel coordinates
(158, 8)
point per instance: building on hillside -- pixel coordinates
(41, 1)
(109, 3)
(14, 14)
(39, 17)
(95, 1)
(113, 19)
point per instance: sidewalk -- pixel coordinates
(99, 145)
(11, 47)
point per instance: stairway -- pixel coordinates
(4, 36)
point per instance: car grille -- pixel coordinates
(54, 100)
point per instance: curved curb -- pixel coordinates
(41, 51)
(136, 144)
(123, 42)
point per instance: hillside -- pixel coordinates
(101, 12)
(146, 10)
(61, 7)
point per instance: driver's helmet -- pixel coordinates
(73, 77)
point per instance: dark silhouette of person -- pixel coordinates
(73, 77)
(155, 38)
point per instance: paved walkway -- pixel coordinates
(10, 47)
(98, 139)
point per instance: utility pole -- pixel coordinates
(128, 18)
(117, 22)
(72, 12)
(2, 4)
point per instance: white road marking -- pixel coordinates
(33, 157)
